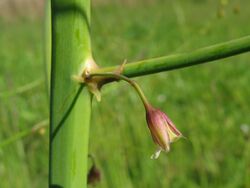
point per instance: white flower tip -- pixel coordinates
(156, 154)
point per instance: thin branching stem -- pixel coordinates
(166, 63)
(24, 133)
(22, 89)
(131, 82)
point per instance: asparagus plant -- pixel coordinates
(70, 102)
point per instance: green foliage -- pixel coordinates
(25, 162)
(208, 103)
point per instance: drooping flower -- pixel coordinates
(162, 129)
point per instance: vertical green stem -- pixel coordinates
(70, 105)
(47, 44)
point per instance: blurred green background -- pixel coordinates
(209, 103)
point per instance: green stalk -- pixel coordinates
(165, 63)
(47, 44)
(24, 133)
(22, 89)
(69, 119)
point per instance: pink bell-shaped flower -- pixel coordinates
(162, 129)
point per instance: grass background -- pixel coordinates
(208, 103)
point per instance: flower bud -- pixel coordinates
(162, 129)
(94, 175)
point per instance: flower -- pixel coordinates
(162, 129)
